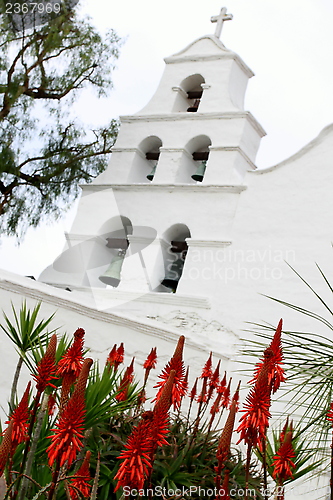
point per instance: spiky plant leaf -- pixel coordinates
(25, 332)
(100, 396)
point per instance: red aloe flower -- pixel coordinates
(151, 360)
(150, 363)
(185, 381)
(46, 368)
(164, 402)
(119, 356)
(111, 357)
(222, 385)
(116, 356)
(223, 449)
(125, 382)
(136, 455)
(225, 400)
(70, 366)
(276, 347)
(274, 354)
(161, 408)
(193, 392)
(217, 403)
(145, 438)
(81, 382)
(284, 430)
(220, 389)
(214, 379)
(202, 397)
(68, 434)
(81, 480)
(207, 369)
(19, 419)
(72, 360)
(235, 397)
(283, 460)
(216, 406)
(254, 422)
(206, 374)
(5, 447)
(51, 404)
(176, 363)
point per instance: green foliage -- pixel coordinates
(100, 397)
(44, 151)
(187, 461)
(190, 458)
(25, 332)
(28, 334)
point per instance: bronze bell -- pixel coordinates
(112, 274)
(150, 176)
(199, 174)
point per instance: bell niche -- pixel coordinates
(146, 160)
(175, 256)
(194, 160)
(118, 244)
(112, 275)
(189, 94)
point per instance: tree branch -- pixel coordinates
(6, 100)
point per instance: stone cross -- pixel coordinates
(223, 16)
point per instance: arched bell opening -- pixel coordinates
(174, 254)
(87, 257)
(146, 160)
(189, 94)
(194, 160)
(115, 235)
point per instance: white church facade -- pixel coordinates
(182, 234)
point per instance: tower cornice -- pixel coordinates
(196, 116)
(216, 188)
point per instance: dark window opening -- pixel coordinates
(195, 96)
(200, 156)
(153, 158)
(174, 269)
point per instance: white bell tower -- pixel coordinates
(167, 201)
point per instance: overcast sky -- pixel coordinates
(287, 43)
